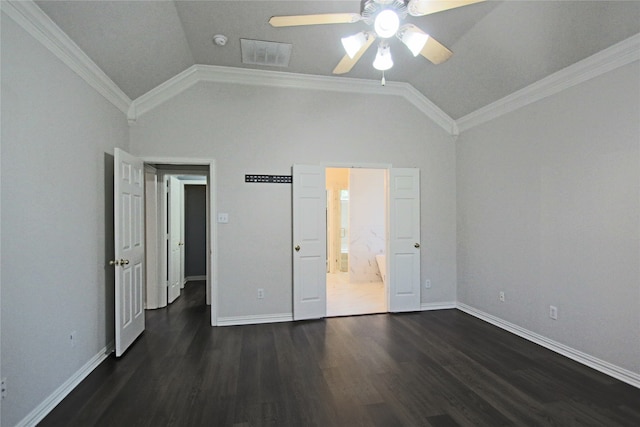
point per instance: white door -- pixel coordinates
(173, 240)
(404, 240)
(129, 248)
(309, 242)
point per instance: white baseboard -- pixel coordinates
(254, 319)
(427, 306)
(43, 409)
(610, 369)
(194, 278)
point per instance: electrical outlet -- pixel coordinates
(3, 388)
(260, 293)
(553, 312)
(427, 284)
(501, 296)
(223, 218)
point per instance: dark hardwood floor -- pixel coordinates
(438, 368)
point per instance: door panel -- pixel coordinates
(310, 242)
(129, 248)
(404, 241)
(173, 239)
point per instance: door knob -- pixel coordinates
(120, 261)
(297, 248)
(124, 262)
(416, 245)
(116, 262)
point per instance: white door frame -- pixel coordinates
(212, 243)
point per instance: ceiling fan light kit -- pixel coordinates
(385, 16)
(386, 23)
(383, 59)
(352, 44)
(413, 38)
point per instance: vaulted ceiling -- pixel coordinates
(498, 47)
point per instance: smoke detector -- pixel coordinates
(220, 40)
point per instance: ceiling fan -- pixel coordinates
(385, 16)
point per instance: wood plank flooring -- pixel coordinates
(439, 368)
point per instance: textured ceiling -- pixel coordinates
(499, 47)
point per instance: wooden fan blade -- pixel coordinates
(346, 63)
(435, 52)
(325, 18)
(427, 7)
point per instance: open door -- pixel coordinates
(309, 242)
(129, 248)
(174, 239)
(404, 240)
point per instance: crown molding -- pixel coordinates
(34, 21)
(229, 75)
(618, 55)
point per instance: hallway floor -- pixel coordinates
(345, 299)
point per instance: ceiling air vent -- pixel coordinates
(258, 52)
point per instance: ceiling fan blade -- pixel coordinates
(427, 7)
(435, 52)
(346, 63)
(324, 18)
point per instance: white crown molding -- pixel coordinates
(218, 74)
(618, 55)
(33, 20)
(610, 369)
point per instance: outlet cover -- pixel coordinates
(260, 293)
(501, 296)
(427, 284)
(223, 218)
(3, 388)
(553, 312)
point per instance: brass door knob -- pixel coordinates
(297, 248)
(114, 262)
(416, 245)
(120, 261)
(124, 262)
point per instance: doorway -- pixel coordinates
(176, 196)
(356, 241)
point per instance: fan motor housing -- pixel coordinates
(369, 9)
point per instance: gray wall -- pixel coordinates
(195, 230)
(58, 136)
(265, 130)
(548, 203)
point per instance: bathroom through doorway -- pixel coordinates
(356, 241)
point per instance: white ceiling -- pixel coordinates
(499, 47)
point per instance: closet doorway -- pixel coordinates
(356, 241)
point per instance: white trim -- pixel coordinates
(610, 369)
(47, 405)
(255, 319)
(428, 306)
(618, 55)
(195, 278)
(34, 21)
(230, 75)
